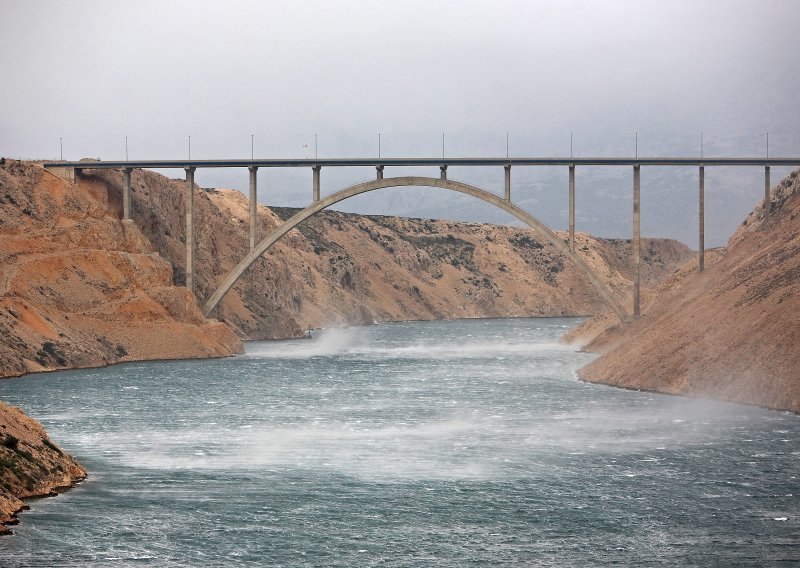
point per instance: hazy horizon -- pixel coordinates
(93, 73)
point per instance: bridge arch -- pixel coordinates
(233, 276)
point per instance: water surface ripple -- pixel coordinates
(462, 443)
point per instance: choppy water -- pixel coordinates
(466, 443)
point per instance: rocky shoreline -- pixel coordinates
(32, 466)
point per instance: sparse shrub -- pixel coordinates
(11, 442)
(48, 351)
(25, 454)
(52, 446)
(525, 241)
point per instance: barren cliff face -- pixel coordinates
(80, 288)
(349, 269)
(731, 332)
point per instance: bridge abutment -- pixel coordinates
(65, 173)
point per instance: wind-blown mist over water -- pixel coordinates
(440, 443)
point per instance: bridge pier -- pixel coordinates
(572, 207)
(636, 255)
(189, 203)
(443, 174)
(507, 168)
(767, 200)
(379, 172)
(126, 193)
(253, 204)
(316, 170)
(701, 252)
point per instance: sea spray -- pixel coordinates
(430, 442)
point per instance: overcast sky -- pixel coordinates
(159, 71)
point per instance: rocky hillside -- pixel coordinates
(31, 465)
(348, 269)
(731, 332)
(81, 288)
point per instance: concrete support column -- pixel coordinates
(507, 167)
(316, 170)
(379, 170)
(443, 169)
(701, 246)
(126, 193)
(253, 204)
(767, 200)
(572, 207)
(189, 204)
(636, 255)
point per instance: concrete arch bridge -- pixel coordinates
(72, 171)
(411, 181)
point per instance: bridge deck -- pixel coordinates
(344, 162)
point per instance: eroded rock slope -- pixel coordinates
(731, 332)
(81, 288)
